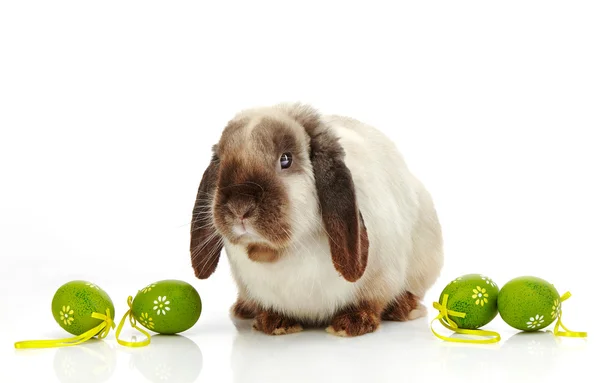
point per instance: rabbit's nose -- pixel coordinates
(241, 210)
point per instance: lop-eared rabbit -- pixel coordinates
(321, 220)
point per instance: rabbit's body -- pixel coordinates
(399, 224)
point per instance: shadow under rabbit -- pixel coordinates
(313, 354)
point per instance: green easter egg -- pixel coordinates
(74, 303)
(475, 295)
(167, 307)
(528, 303)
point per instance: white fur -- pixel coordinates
(405, 250)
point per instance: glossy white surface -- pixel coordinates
(396, 352)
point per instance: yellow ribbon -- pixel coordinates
(567, 332)
(101, 331)
(133, 323)
(445, 320)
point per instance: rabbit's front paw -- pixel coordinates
(272, 323)
(355, 321)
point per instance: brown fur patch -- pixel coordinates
(244, 309)
(356, 320)
(244, 186)
(262, 253)
(400, 308)
(272, 323)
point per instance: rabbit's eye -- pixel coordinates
(286, 160)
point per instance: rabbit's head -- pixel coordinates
(277, 175)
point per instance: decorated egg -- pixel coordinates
(167, 307)
(529, 303)
(74, 303)
(475, 296)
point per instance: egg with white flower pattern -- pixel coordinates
(167, 307)
(529, 303)
(74, 303)
(473, 295)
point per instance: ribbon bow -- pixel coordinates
(101, 331)
(133, 323)
(444, 318)
(567, 332)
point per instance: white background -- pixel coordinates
(108, 111)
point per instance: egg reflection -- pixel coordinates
(91, 362)
(169, 358)
(534, 354)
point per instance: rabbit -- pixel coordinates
(321, 220)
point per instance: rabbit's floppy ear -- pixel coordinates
(348, 239)
(343, 221)
(206, 243)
